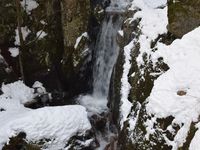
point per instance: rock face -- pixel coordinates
(59, 39)
(183, 16)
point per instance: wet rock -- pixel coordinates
(113, 144)
(83, 142)
(99, 121)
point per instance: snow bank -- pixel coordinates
(183, 57)
(18, 92)
(55, 123)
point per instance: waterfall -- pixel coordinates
(106, 52)
(105, 55)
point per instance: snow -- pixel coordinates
(18, 91)
(153, 22)
(155, 3)
(29, 5)
(14, 51)
(55, 123)
(194, 145)
(39, 87)
(121, 33)
(125, 87)
(25, 32)
(85, 34)
(41, 34)
(182, 57)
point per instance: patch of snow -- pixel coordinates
(43, 22)
(125, 87)
(155, 3)
(182, 57)
(153, 22)
(39, 87)
(41, 34)
(133, 120)
(194, 145)
(85, 34)
(14, 52)
(25, 32)
(18, 91)
(121, 33)
(29, 5)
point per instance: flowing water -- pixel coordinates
(105, 53)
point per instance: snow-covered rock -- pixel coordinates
(159, 96)
(57, 124)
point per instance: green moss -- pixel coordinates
(183, 16)
(19, 142)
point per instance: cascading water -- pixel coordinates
(105, 53)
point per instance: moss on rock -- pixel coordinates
(183, 16)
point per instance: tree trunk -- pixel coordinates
(19, 23)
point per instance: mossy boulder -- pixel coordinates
(53, 59)
(183, 15)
